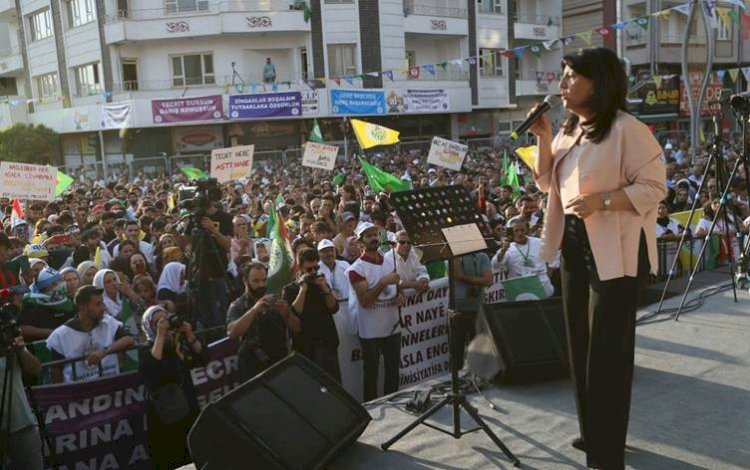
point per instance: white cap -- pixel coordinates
(668, 146)
(362, 228)
(325, 243)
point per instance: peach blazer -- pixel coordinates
(629, 158)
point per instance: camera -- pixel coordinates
(9, 329)
(198, 197)
(175, 322)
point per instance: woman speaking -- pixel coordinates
(605, 175)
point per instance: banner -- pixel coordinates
(310, 103)
(204, 108)
(713, 93)
(426, 101)
(102, 423)
(265, 105)
(357, 102)
(117, 116)
(447, 154)
(320, 155)
(27, 181)
(661, 98)
(197, 138)
(232, 163)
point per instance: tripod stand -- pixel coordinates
(428, 215)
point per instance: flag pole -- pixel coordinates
(346, 149)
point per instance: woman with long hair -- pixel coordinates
(605, 175)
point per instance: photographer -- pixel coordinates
(171, 351)
(19, 434)
(472, 275)
(210, 230)
(260, 322)
(310, 299)
(521, 257)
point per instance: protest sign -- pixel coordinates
(447, 153)
(27, 181)
(232, 163)
(320, 156)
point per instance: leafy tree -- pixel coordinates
(28, 143)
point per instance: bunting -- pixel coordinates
(586, 36)
(733, 74)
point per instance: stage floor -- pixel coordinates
(690, 408)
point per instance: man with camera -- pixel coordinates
(210, 231)
(19, 433)
(91, 334)
(312, 301)
(261, 323)
(521, 257)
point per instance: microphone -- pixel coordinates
(550, 101)
(740, 102)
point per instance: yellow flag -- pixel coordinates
(170, 202)
(528, 155)
(702, 136)
(657, 81)
(724, 17)
(98, 258)
(733, 74)
(372, 135)
(682, 217)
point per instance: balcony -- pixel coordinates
(537, 27)
(205, 19)
(529, 85)
(11, 63)
(433, 8)
(13, 110)
(7, 9)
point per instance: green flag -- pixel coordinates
(194, 173)
(383, 181)
(63, 182)
(512, 177)
(280, 265)
(339, 179)
(524, 288)
(306, 12)
(315, 134)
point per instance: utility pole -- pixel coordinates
(697, 105)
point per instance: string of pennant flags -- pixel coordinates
(726, 15)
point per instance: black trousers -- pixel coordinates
(600, 324)
(372, 348)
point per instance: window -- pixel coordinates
(342, 59)
(87, 80)
(80, 12)
(129, 75)
(490, 62)
(47, 86)
(491, 6)
(303, 63)
(40, 24)
(180, 6)
(193, 69)
(411, 59)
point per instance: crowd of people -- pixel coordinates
(114, 264)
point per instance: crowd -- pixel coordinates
(118, 263)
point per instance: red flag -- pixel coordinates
(17, 209)
(746, 27)
(414, 72)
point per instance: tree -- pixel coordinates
(28, 143)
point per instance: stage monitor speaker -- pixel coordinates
(530, 339)
(291, 416)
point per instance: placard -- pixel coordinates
(320, 156)
(232, 163)
(464, 239)
(447, 153)
(27, 181)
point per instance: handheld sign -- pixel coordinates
(232, 163)
(320, 156)
(27, 181)
(447, 153)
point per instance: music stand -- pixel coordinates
(444, 223)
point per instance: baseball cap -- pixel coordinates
(325, 243)
(46, 278)
(362, 228)
(347, 216)
(84, 294)
(36, 251)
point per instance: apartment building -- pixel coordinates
(182, 75)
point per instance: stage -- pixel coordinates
(690, 408)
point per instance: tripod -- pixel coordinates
(450, 206)
(716, 159)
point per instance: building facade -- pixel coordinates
(184, 75)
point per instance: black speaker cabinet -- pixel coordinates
(291, 416)
(530, 339)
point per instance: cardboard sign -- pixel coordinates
(320, 156)
(232, 163)
(28, 181)
(447, 153)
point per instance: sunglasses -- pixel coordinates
(404, 242)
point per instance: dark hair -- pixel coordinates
(253, 265)
(5, 241)
(307, 254)
(85, 294)
(610, 84)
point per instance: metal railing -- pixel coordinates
(545, 20)
(203, 7)
(441, 75)
(221, 81)
(425, 8)
(9, 52)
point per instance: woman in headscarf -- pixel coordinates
(86, 272)
(172, 286)
(172, 349)
(166, 242)
(72, 280)
(352, 249)
(120, 300)
(46, 307)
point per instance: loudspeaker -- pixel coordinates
(291, 416)
(529, 338)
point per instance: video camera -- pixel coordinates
(198, 197)
(9, 329)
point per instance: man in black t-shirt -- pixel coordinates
(310, 299)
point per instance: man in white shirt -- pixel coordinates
(133, 232)
(92, 334)
(334, 270)
(411, 271)
(521, 257)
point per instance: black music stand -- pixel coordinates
(444, 223)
